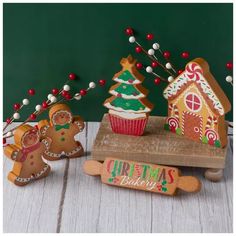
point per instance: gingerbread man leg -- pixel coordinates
(78, 151)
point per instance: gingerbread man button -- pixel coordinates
(61, 129)
(27, 156)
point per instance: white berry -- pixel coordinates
(170, 79)
(156, 46)
(77, 96)
(149, 69)
(16, 116)
(131, 39)
(229, 79)
(66, 87)
(151, 52)
(168, 65)
(92, 85)
(38, 107)
(53, 99)
(9, 134)
(49, 96)
(25, 101)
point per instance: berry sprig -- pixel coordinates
(151, 52)
(57, 96)
(155, 63)
(229, 78)
(17, 107)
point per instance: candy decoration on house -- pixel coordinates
(61, 130)
(27, 156)
(153, 178)
(128, 107)
(197, 105)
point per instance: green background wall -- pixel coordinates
(44, 42)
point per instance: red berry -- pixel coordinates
(36, 127)
(229, 65)
(154, 64)
(55, 91)
(68, 96)
(8, 120)
(72, 76)
(157, 80)
(44, 104)
(185, 55)
(64, 93)
(4, 140)
(16, 106)
(138, 49)
(180, 71)
(149, 36)
(102, 82)
(139, 65)
(166, 54)
(33, 116)
(31, 92)
(129, 31)
(83, 92)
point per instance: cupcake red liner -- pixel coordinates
(129, 127)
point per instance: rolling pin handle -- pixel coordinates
(189, 184)
(92, 167)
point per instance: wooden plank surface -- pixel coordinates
(70, 201)
(156, 146)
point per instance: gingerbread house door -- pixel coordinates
(192, 126)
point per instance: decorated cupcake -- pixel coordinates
(128, 107)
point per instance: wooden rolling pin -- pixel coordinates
(142, 176)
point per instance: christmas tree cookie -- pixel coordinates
(128, 107)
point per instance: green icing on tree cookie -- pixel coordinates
(128, 104)
(126, 76)
(127, 89)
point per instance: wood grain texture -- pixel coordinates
(89, 206)
(156, 146)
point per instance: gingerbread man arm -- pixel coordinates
(13, 152)
(44, 128)
(78, 124)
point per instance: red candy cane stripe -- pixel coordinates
(209, 121)
(176, 112)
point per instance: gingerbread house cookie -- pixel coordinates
(197, 105)
(27, 156)
(61, 129)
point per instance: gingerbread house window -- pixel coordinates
(193, 102)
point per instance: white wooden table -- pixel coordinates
(70, 201)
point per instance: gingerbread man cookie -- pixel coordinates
(62, 129)
(27, 156)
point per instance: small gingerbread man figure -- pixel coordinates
(27, 156)
(61, 129)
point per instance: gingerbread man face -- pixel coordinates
(61, 117)
(30, 138)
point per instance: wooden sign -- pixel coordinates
(142, 176)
